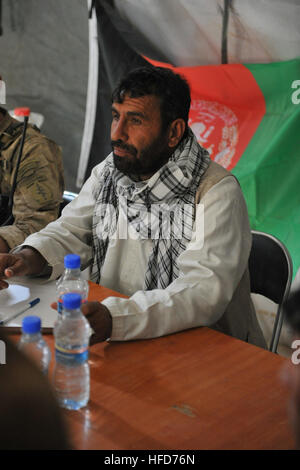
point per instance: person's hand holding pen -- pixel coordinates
(25, 262)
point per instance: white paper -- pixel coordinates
(23, 290)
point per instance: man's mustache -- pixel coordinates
(121, 145)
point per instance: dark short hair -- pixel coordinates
(171, 88)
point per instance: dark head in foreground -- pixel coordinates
(30, 416)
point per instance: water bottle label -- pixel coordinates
(75, 356)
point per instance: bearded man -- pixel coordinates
(158, 221)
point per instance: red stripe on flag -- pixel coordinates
(226, 109)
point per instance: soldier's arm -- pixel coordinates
(4, 248)
(39, 190)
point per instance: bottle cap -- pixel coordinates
(72, 261)
(22, 111)
(71, 301)
(31, 324)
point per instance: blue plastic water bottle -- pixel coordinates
(71, 281)
(71, 376)
(33, 344)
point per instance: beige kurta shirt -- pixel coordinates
(211, 268)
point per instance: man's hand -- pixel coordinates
(27, 261)
(100, 320)
(11, 265)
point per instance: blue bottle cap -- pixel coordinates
(31, 324)
(72, 261)
(71, 301)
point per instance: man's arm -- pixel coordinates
(72, 232)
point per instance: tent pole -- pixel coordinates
(1, 30)
(91, 100)
(224, 56)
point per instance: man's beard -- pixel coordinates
(151, 158)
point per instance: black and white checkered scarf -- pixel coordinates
(161, 208)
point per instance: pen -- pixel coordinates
(12, 317)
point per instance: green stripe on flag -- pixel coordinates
(269, 169)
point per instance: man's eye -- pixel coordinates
(114, 117)
(135, 120)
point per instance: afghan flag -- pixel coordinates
(248, 118)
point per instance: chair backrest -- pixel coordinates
(271, 271)
(68, 196)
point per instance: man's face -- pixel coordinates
(139, 145)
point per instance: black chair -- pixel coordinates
(271, 271)
(68, 196)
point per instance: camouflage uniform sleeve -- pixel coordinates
(39, 190)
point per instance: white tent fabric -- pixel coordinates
(189, 31)
(44, 63)
(91, 101)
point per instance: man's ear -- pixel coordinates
(176, 131)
